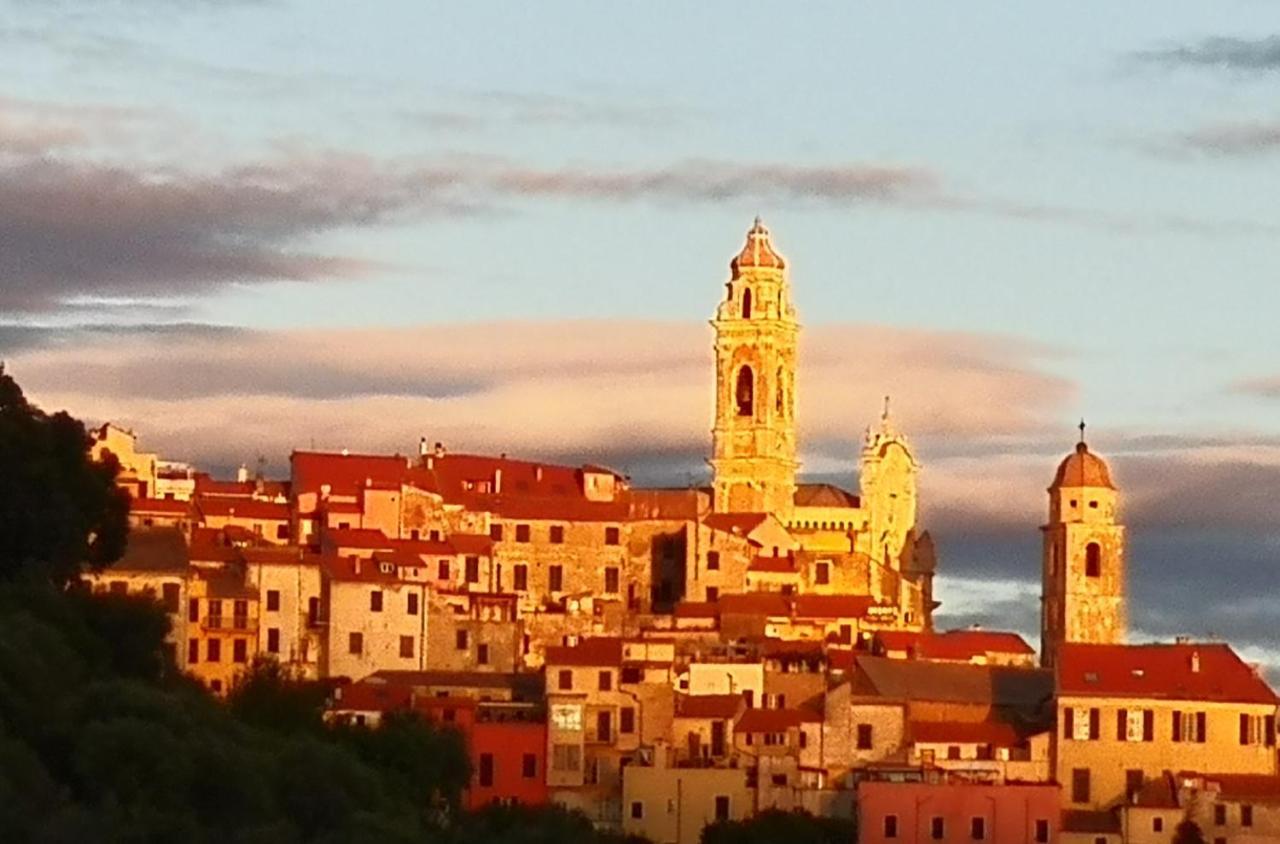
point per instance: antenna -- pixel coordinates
(1082, 427)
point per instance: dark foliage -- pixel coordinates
(1188, 832)
(59, 511)
(775, 826)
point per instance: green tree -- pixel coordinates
(269, 695)
(772, 826)
(59, 511)
(1188, 832)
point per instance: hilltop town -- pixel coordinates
(661, 658)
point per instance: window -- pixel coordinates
(1079, 785)
(555, 578)
(565, 680)
(557, 534)
(170, 592)
(442, 570)
(1133, 780)
(566, 757)
(215, 686)
(746, 303)
(240, 651)
(522, 533)
(713, 594)
(637, 809)
(528, 766)
(473, 569)
(355, 643)
(1219, 815)
(193, 609)
(953, 752)
(611, 580)
(627, 720)
(612, 536)
(604, 726)
(273, 600)
(890, 826)
(1093, 560)
(937, 828)
(313, 611)
(482, 654)
(406, 647)
(273, 640)
(460, 640)
(375, 600)
(822, 574)
(1042, 831)
(1157, 824)
(722, 807)
(282, 531)
(240, 614)
(978, 828)
(213, 651)
(864, 736)
(486, 770)
(495, 532)
(215, 613)
(1188, 726)
(606, 681)
(412, 607)
(744, 395)
(1246, 814)
(193, 651)
(119, 587)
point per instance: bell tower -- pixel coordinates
(1083, 594)
(754, 439)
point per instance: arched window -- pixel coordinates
(746, 392)
(1093, 560)
(780, 387)
(746, 303)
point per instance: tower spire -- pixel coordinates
(1081, 426)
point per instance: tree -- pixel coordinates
(59, 510)
(269, 695)
(1188, 832)
(774, 825)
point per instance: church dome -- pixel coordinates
(758, 252)
(1082, 468)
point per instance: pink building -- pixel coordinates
(923, 813)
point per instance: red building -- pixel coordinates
(911, 812)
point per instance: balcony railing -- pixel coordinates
(223, 622)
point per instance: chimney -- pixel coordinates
(242, 474)
(497, 481)
(346, 452)
(422, 446)
(355, 563)
(537, 473)
(1195, 662)
(439, 449)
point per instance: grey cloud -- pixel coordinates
(1242, 54)
(1235, 139)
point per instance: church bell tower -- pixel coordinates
(754, 438)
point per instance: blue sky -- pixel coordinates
(1071, 206)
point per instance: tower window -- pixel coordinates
(1093, 560)
(746, 303)
(746, 392)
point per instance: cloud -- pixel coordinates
(1266, 387)
(496, 109)
(1242, 54)
(1235, 139)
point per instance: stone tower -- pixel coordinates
(887, 481)
(1083, 593)
(754, 439)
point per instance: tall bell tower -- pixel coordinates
(1083, 594)
(754, 439)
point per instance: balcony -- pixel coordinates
(229, 624)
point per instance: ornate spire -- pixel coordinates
(758, 251)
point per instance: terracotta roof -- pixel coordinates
(1161, 671)
(1158, 793)
(949, 682)
(1260, 788)
(962, 645)
(345, 474)
(602, 651)
(773, 565)
(708, 706)
(517, 489)
(755, 603)
(840, 659)
(1084, 820)
(824, 495)
(1082, 468)
(209, 552)
(696, 609)
(758, 252)
(344, 569)
(161, 549)
(769, 720)
(832, 606)
(371, 697)
(994, 733)
(351, 508)
(357, 538)
(159, 506)
(739, 524)
(280, 555)
(242, 508)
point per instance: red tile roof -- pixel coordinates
(770, 720)
(962, 645)
(773, 565)
(696, 609)
(1158, 793)
(1260, 788)
(708, 706)
(1161, 671)
(754, 603)
(242, 508)
(159, 506)
(344, 569)
(280, 555)
(206, 485)
(994, 733)
(832, 606)
(365, 538)
(371, 697)
(471, 543)
(602, 651)
(345, 474)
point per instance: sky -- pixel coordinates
(246, 227)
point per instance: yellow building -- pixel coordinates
(155, 563)
(221, 625)
(137, 468)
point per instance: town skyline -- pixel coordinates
(323, 249)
